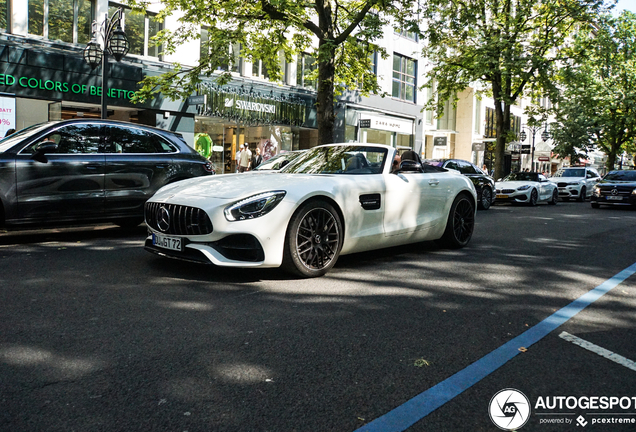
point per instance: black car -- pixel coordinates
(89, 171)
(617, 188)
(484, 184)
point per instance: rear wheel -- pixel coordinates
(486, 198)
(555, 198)
(582, 195)
(461, 222)
(313, 240)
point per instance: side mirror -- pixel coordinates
(410, 166)
(42, 149)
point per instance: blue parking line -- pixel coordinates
(420, 406)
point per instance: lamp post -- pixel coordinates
(545, 135)
(114, 43)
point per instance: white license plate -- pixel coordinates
(166, 242)
(614, 198)
(501, 196)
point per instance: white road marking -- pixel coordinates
(630, 364)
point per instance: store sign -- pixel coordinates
(388, 123)
(7, 115)
(13, 83)
(365, 124)
(544, 159)
(196, 100)
(477, 147)
(439, 141)
(253, 107)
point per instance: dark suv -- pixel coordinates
(484, 184)
(89, 171)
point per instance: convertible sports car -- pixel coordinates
(331, 200)
(526, 187)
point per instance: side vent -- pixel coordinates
(370, 201)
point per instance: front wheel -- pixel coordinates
(582, 195)
(486, 198)
(461, 222)
(534, 197)
(555, 198)
(313, 240)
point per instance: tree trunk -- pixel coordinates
(325, 98)
(502, 117)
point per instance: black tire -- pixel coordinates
(555, 198)
(595, 205)
(313, 240)
(461, 223)
(534, 197)
(129, 223)
(582, 195)
(486, 198)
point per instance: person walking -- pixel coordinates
(237, 158)
(244, 159)
(257, 159)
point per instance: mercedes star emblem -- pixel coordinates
(163, 219)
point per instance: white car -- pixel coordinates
(526, 188)
(331, 200)
(576, 182)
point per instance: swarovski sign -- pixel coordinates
(255, 106)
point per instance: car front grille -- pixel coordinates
(620, 190)
(505, 191)
(562, 184)
(177, 219)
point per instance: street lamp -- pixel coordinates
(115, 43)
(545, 135)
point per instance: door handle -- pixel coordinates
(92, 166)
(433, 182)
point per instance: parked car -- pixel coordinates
(576, 182)
(526, 188)
(618, 188)
(484, 184)
(79, 171)
(332, 200)
(278, 162)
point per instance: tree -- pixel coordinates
(265, 29)
(512, 48)
(597, 105)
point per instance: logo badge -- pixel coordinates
(580, 421)
(163, 219)
(509, 409)
(614, 191)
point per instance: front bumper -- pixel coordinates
(614, 200)
(569, 191)
(514, 196)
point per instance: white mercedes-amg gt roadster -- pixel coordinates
(332, 200)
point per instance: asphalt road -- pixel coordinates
(98, 335)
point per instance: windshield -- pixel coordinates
(277, 162)
(621, 176)
(577, 172)
(342, 159)
(14, 139)
(522, 176)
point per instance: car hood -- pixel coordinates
(233, 186)
(617, 183)
(513, 184)
(566, 179)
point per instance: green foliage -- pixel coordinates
(597, 105)
(513, 48)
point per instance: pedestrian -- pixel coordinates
(245, 158)
(237, 158)
(257, 159)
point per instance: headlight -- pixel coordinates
(254, 206)
(634, 192)
(524, 187)
(597, 191)
(573, 184)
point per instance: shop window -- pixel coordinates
(428, 114)
(4, 14)
(491, 124)
(140, 29)
(305, 71)
(404, 72)
(448, 119)
(51, 19)
(233, 63)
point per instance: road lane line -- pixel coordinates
(623, 361)
(412, 411)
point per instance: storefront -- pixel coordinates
(371, 127)
(271, 121)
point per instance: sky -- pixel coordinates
(630, 5)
